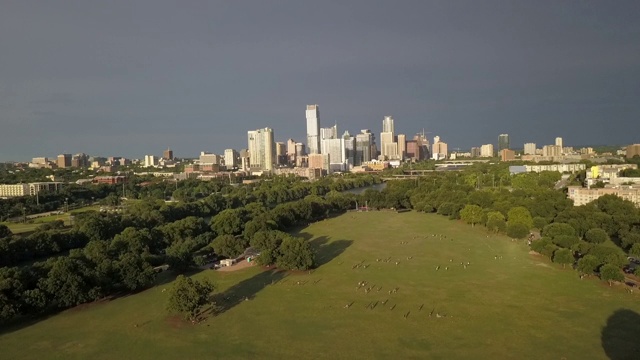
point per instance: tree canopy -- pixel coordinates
(187, 296)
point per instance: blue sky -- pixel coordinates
(129, 78)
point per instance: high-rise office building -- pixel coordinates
(327, 134)
(475, 152)
(245, 158)
(300, 150)
(64, 160)
(281, 153)
(552, 150)
(530, 149)
(349, 148)
(230, 158)
(402, 146)
(414, 150)
(423, 142)
(80, 160)
(313, 129)
(439, 149)
(633, 150)
(364, 144)
(291, 147)
(503, 142)
(167, 154)
(559, 141)
(388, 144)
(261, 149)
(387, 124)
(337, 154)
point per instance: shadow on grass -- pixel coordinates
(245, 290)
(326, 250)
(621, 336)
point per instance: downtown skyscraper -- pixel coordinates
(388, 144)
(503, 142)
(313, 129)
(261, 149)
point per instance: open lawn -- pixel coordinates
(506, 303)
(31, 225)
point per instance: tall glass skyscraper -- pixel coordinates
(313, 129)
(503, 142)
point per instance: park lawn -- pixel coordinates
(505, 304)
(32, 225)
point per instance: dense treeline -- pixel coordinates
(111, 254)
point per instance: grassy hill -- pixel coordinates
(506, 303)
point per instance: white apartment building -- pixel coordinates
(261, 149)
(583, 196)
(16, 190)
(230, 158)
(150, 161)
(486, 150)
(530, 148)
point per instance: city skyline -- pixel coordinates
(129, 78)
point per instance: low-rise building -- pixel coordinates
(110, 179)
(583, 196)
(507, 155)
(30, 189)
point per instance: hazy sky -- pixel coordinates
(132, 77)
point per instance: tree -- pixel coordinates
(635, 250)
(229, 222)
(596, 236)
(608, 255)
(517, 230)
(539, 222)
(471, 214)
(267, 243)
(520, 215)
(539, 245)
(566, 241)
(68, 282)
(495, 221)
(295, 254)
(611, 273)
(563, 256)
(188, 296)
(4, 231)
(229, 246)
(135, 273)
(588, 264)
(557, 228)
(630, 238)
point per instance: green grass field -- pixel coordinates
(505, 304)
(31, 225)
